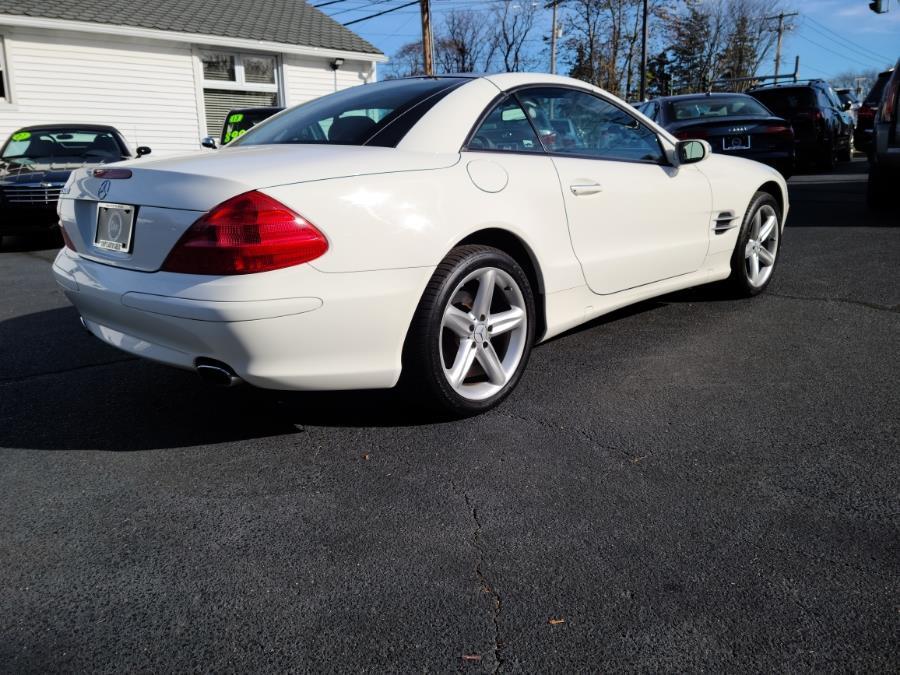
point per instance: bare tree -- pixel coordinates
(407, 61)
(605, 39)
(466, 44)
(513, 23)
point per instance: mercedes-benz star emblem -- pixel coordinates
(114, 224)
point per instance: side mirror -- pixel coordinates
(846, 105)
(692, 151)
(143, 150)
(208, 142)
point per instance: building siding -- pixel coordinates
(144, 88)
(306, 78)
(147, 89)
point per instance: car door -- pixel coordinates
(633, 218)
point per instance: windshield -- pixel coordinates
(353, 116)
(717, 106)
(786, 100)
(240, 122)
(66, 145)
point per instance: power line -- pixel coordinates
(855, 52)
(845, 39)
(358, 8)
(828, 49)
(387, 11)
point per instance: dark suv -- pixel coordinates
(865, 116)
(823, 130)
(884, 155)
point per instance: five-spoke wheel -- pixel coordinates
(757, 246)
(473, 330)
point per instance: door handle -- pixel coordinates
(581, 189)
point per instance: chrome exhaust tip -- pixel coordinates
(217, 374)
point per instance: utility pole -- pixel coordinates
(427, 49)
(781, 17)
(553, 41)
(644, 55)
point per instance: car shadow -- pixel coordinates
(834, 198)
(63, 389)
(45, 241)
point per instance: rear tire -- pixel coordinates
(471, 335)
(757, 247)
(878, 188)
(827, 160)
(846, 155)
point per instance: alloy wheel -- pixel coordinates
(484, 330)
(762, 246)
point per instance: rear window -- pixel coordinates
(873, 98)
(786, 100)
(369, 114)
(716, 106)
(847, 96)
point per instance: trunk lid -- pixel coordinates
(170, 194)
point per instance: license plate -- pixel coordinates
(115, 223)
(739, 142)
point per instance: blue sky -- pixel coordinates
(830, 36)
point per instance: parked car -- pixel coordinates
(884, 158)
(823, 131)
(850, 103)
(238, 122)
(865, 116)
(35, 163)
(734, 124)
(430, 227)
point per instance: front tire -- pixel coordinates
(472, 333)
(757, 247)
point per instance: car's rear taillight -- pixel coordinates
(68, 240)
(245, 234)
(779, 130)
(687, 134)
(865, 113)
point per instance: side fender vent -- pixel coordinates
(725, 221)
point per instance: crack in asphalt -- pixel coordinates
(62, 371)
(849, 301)
(496, 600)
(588, 436)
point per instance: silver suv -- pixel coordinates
(884, 157)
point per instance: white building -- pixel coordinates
(165, 72)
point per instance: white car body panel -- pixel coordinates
(390, 216)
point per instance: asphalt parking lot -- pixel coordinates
(690, 484)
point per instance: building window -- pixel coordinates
(4, 86)
(232, 80)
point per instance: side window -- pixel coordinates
(577, 123)
(506, 128)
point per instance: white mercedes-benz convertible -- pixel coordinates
(437, 227)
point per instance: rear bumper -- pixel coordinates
(296, 328)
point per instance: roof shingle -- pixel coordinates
(290, 22)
